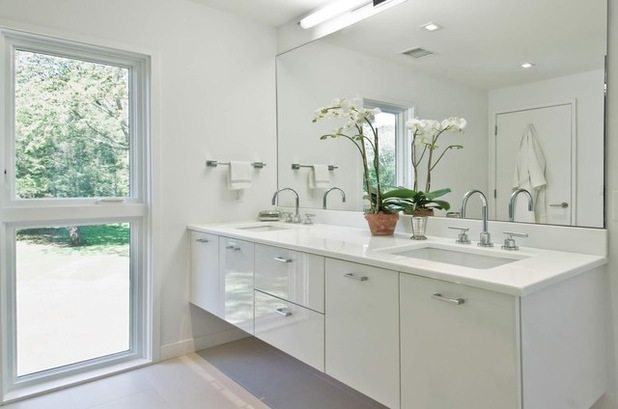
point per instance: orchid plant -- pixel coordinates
(425, 135)
(356, 120)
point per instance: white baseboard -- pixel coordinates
(187, 346)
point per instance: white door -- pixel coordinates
(554, 127)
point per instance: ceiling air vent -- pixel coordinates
(418, 52)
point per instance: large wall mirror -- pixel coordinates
(511, 69)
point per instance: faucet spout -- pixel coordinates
(485, 239)
(513, 200)
(330, 190)
(296, 218)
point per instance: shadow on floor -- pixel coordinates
(281, 381)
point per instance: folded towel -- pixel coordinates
(239, 176)
(319, 177)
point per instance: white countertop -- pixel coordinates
(533, 269)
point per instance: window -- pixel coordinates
(73, 209)
(395, 169)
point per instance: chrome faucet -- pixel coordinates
(296, 218)
(512, 203)
(485, 240)
(330, 190)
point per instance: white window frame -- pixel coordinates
(403, 137)
(16, 213)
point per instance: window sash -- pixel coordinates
(138, 66)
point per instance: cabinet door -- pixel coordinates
(205, 285)
(459, 346)
(291, 275)
(362, 329)
(236, 275)
(293, 329)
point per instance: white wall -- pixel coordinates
(213, 97)
(587, 90)
(313, 75)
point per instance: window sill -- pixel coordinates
(30, 391)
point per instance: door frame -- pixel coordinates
(493, 152)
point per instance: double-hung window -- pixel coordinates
(395, 169)
(73, 209)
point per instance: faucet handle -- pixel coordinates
(509, 241)
(462, 237)
(308, 218)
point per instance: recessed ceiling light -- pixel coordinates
(527, 65)
(431, 26)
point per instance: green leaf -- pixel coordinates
(437, 193)
(399, 192)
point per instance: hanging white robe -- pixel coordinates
(530, 175)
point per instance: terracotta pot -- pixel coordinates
(423, 212)
(382, 224)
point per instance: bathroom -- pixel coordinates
(216, 83)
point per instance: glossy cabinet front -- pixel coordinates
(459, 346)
(205, 284)
(236, 282)
(290, 275)
(293, 329)
(362, 329)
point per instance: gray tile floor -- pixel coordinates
(280, 381)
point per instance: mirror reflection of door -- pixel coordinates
(555, 135)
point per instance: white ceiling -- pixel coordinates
(484, 42)
(270, 12)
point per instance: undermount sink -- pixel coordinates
(262, 227)
(456, 257)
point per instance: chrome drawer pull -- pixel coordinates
(283, 259)
(440, 297)
(355, 277)
(284, 311)
(562, 205)
(202, 240)
(232, 247)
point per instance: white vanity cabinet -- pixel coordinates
(362, 329)
(206, 291)
(236, 282)
(459, 346)
(407, 340)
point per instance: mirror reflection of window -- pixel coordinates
(390, 123)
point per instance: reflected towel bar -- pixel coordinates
(214, 164)
(297, 166)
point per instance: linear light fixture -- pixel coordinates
(342, 13)
(331, 11)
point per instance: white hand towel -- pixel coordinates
(239, 176)
(319, 177)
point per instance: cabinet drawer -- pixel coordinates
(293, 329)
(291, 275)
(459, 346)
(205, 284)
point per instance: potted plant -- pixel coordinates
(381, 219)
(424, 144)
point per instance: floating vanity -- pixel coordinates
(413, 325)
